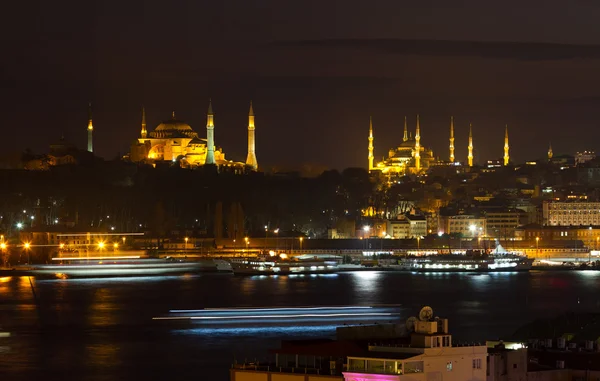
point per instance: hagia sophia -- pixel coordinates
(175, 141)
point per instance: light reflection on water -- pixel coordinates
(102, 329)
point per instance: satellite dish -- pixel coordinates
(426, 313)
(410, 323)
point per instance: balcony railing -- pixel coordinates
(282, 369)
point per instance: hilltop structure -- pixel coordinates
(175, 141)
(409, 157)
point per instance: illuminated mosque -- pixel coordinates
(410, 157)
(175, 141)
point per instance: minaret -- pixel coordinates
(251, 158)
(506, 157)
(210, 136)
(470, 156)
(405, 137)
(370, 143)
(452, 139)
(550, 153)
(144, 131)
(418, 146)
(90, 130)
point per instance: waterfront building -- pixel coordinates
(502, 222)
(584, 157)
(174, 140)
(571, 213)
(409, 157)
(398, 229)
(588, 236)
(467, 225)
(407, 226)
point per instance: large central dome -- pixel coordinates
(173, 128)
(173, 125)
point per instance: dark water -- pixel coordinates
(103, 329)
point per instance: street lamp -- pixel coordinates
(186, 241)
(4, 256)
(27, 245)
(276, 231)
(266, 231)
(472, 229)
(537, 245)
(418, 243)
(115, 246)
(247, 242)
(301, 239)
(101, 245)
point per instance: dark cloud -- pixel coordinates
(482, 49)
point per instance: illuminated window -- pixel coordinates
(449, 366)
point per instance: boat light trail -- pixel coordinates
(295, 316)
(236, 310)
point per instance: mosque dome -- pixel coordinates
(173, 125)
(173, 128)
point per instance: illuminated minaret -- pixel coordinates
(90, 130)
(550, 153)
(370, 143)
(144, 131)
(470, 156)
(251, 158)
(506, 157)
(210, 136)
(405, 137)
(452, 139)
(418, 146)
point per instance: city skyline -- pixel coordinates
(316, 70)
(459, 133)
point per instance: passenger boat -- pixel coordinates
(498, 260)
(119, 266)
(280, 266)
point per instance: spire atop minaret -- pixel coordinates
(506, 147)
(210, 136)
(173, 115)
(144, 132)
(90, 130)
(371, 157)
(405, 137)
(418, 146)
(470, 155)
(550, 153)
(451, 139)
(251, 158)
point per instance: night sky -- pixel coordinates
(315, 71)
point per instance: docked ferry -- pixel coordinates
(279, 266)
(497, 260)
